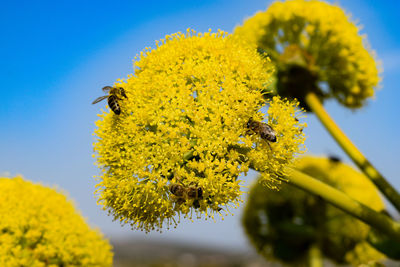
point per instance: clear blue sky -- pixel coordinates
(56, 55)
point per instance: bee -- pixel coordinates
(263, 129)
(183, 193)
(194, 192)
(191, 192)
(114, 94)
(177, 190)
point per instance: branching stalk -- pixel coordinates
(314, 256)
(342, 201)
(352, 151)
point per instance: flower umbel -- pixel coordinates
(316, 48)
(40, 227)
(181, 140)
(284, 224)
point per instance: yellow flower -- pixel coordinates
(181, 140)
(284, 224)
(316, 48)
(40, 227)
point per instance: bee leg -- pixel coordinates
(269, 145)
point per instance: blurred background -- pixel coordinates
(57, 55)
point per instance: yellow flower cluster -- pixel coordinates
(182, 140)
(319, 38)
(40, 227)
(284, 224)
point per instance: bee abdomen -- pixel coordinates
(113, 104)
(195, 192)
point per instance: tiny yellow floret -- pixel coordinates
(40, 227)
(317, 48)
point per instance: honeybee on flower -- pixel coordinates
(114, 94)
(186, 193)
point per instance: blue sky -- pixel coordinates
(56, 55)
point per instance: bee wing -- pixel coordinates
(269, 128)
(99, 99)
(106, 89)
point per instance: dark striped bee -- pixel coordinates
(194, 192)
(191, 192)
(183, 193)
(177, 190)
(264, 130)
(114, 94)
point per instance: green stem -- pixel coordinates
(342, 201)
(352, 151)
(188, 155)
(314, 256)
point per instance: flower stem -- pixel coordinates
(314, 256)
(352, 151)
(342, 201)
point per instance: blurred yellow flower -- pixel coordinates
(316, 48)
(40, 227)
(182, 139)
(284, 224)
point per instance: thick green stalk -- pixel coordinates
(352, 151)
(314, 256)
(342, 201)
